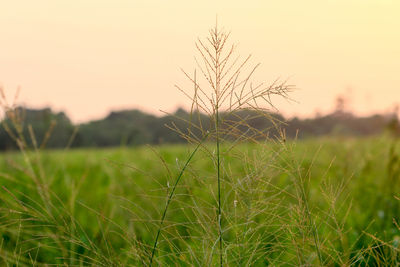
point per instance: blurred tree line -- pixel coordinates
(134, 127)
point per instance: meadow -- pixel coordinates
(328, 201)
(234, 195)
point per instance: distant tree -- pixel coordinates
(393, 126)
(48, 129)
(134, 127)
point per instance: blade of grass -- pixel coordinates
(171, 194)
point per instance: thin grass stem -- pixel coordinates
(171, 194)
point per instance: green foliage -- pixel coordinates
(134, 127)
(103, 205)
(239, 194)
(49, 129)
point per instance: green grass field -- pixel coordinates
(312, 202)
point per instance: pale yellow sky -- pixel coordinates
(87, 57)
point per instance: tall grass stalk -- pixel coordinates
(217, 48)
(169, 198)
(224, 94)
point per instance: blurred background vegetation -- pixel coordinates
(135, 127)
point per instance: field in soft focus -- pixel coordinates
(102, 206)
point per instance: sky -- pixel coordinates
(88, 57)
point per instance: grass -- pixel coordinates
(225, 85)
(170, 195)
(239, 197)
(104, 206)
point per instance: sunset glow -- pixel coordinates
(89, 57)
